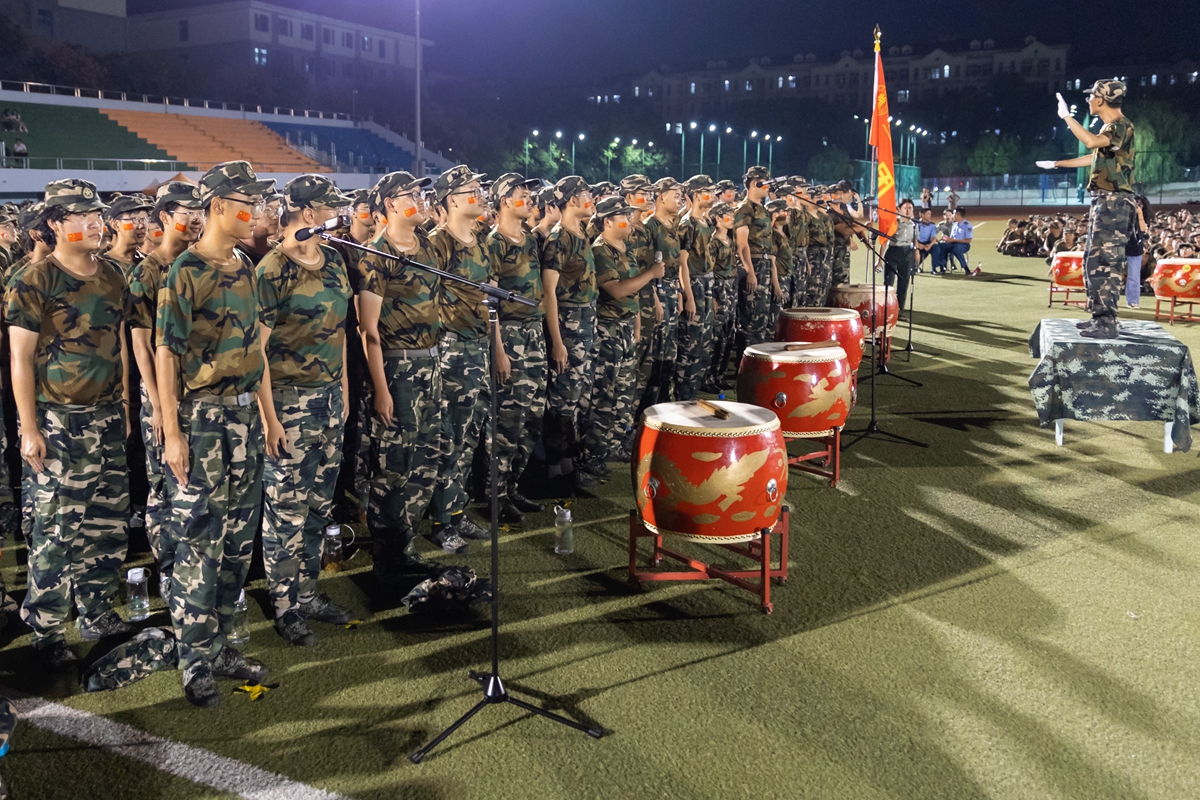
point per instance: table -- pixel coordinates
(1144, 374)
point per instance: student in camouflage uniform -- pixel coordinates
(126, 217)
(639, 195)
(399, 310)
(465, 353)
(781, 237)
(843, 235)
(657, 367)
(756, 254)
(517, 265)
(303, 298)
(569, 278)
(722, 249)
(265, 234)
(1113, 206)
(820, 249)
(177, 206)
(208, 349)
(615, 365)
(66, 317)
(550, 215)
(797, 226)
(9, 246)
(696, 328)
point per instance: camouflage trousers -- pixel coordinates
(522, 401)
(820, 272)
(695, 340)
(298, 490)
(80, 503)
(656, 358)
(213, 520)
(754, 307)
(615, 369)
(797, 285)
(839, 274)
(568, 393)
(405, 457)
(363, 462)
(464, 420)
(1109, 223)
(158, 508)
(6, 492)
(725, 308)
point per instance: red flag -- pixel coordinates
(881, 140)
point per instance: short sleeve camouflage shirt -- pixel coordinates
(722, 251)
(783, 252)
(518, 268)
(78, 322)
(757, 219)
(665, 239)
(571, 257)
(410, 317)
(694, 237)
(144, 283)
(614, 265)
(463, 310)
(208, 316)
(1112, 166)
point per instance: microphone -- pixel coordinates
(304, 234)
(658, 257)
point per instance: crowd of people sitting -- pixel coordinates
(11, 120)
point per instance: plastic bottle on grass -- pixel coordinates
(241, 622)
(139, 594)
(564, 531)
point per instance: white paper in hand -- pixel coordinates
(1045, 164)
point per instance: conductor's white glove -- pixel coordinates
(1045, 164)
(1064, 110)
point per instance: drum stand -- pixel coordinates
(494, 692)
(756, 580)
(831, 456)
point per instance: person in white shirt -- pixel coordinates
(954, 246)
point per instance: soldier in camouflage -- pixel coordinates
(820, 249)
(843, 234)
(756, 254)
(639, 195)
(722, 249)
(1113, 214)
(210, 365)
(303, 299)
(465, 350)
(66, 317)
(781, 237)
(177, 206)
(657, 366)
(399, 310)
(126, 217)
(797, 227)
(615, 365)
(695, 257)
(569, 278)
(517, 265)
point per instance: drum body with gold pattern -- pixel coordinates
(1067, 268)
(858, 296)
(842, 325)
(809, 390)
(709, 479)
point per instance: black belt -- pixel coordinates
(426, 352)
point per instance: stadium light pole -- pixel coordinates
(771, 152)
(608, 161)
(573, 153)
(757, 148)
(535, 133)
(419, 161)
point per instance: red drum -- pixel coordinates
(842, 325)
(1067, 269)
(1178, 277)
(858, 296)
(708, 479)
(808, 389)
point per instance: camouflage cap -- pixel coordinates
(229, 177)
(632, 184)
(395, 184)
(181, 193)
(841, 186)
(698, 182)
(31, 215)
(509, 182)
(775, 206)
(666, 184)
(127, 204)
(611, 206)
(570, 186)
(543, 196)
(74, 195)
(722, 209)
(726, 186)
(360, 196)
(758, 173)
(1109, 91)
(603, 187)
(454, 178)
(312, 191)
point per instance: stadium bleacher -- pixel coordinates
(353, 146)
(81, 137)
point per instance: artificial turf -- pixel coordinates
(988, 616)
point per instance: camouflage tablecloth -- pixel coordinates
(1145, 374)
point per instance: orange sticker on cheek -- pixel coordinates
(518, 204)
(244, 216)
(74, 237)
(128, 226)
(408, 212)
(471, 201)
(158, 234)
(179, 226)
(622, 224)
(641, 201)
(366, 215)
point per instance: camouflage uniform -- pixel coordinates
(352, 477)
(405, 455)
(569, 392)
(656, 367)
(305, 308)
(695, 332)
(1111, 218)
(794, 292)
(615, 366)
(820, 259)
(80, 500)
(464, 352)
(783, 267)
(754, 310)
(725, 303)
(522, 401)
(839, 273)
(208, 317)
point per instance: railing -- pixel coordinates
(31, 87)
(153, 165)
(1059, 188)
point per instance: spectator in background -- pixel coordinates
(21, 152)
(952, 201)
(927, 234)
(955, 245)
(926, 199)
(1135, 249)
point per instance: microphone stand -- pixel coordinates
(493, 688)
(873, 426)
(912, 297)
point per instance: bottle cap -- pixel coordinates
(137, 574)
(565, 513)
(333, 530)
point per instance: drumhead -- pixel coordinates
(689, 418)
(1065, 254)
(775, 351)
(863, 288)
(821, 314)
(1179, 262)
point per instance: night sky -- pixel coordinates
(569, 41)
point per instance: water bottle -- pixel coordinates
(241, 622)
(564, 531)
(332, 557)
(139, 594)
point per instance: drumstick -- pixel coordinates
(811, 345)
(713, 409)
